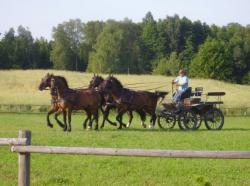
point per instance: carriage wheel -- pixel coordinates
(187, 120)
(214, 119)
(199, 121)
(166, 120)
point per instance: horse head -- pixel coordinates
(111, 84)
(45, 82)
(95, 81)
(58, 82)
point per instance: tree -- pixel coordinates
(41, 54)
(168, 66)
(65, 52)
(214, 60)
(106, 57)
(150, 36)
(23, 48)
(8, 45)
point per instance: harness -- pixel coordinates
(53, 93)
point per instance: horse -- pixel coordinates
(108, 103)
(106, 100)
(76, 99)
(44, 84)
(127, 99)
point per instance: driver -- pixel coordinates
(181, 82)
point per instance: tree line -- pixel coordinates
(151, 46)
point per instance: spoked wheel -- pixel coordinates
(166, 120)
(199, 121)
(187, 120)
(214, 119)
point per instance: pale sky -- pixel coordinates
(41, 15)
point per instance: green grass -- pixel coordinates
(21, 86)
(100, 170)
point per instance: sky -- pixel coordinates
(40, 16)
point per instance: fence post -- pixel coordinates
(24, 161)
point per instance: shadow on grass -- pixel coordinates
(170, 130)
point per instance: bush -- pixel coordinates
(167, 66)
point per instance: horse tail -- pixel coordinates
(160, 94)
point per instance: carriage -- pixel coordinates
(193, 111)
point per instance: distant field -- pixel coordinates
(76, 170)
(21, 86)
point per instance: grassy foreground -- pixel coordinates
(21, 86)
(100, 170)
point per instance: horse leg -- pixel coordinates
(143, 118)
(119, 119)
(107, 109)
(96, 118)
(49, 124)
(152, 121)
(69, 112)
(84, 124)
(65, 120)
(105, 113)
(58, 121)
(130, 114)
(89, 118)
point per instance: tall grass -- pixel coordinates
(21, 86)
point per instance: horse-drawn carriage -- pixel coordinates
(193, 110)
(110, 93)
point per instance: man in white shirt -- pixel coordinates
(182, 84)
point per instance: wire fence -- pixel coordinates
(25, 108)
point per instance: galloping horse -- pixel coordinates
(127, 99)
(44, 84)
(106, 100)
(108, 103)
(70, 99)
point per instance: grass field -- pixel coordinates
(98, 170)
(21, 86)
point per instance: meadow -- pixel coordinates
(21, 86)
(100, 170)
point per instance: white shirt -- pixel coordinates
(182, 80)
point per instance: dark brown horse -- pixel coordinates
(108, 103)
(127, 99)
(44, 84)
(106, 100)
(70, 99)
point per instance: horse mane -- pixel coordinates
(91, 84)
(100, 77)
(64, 80)
(118, 83)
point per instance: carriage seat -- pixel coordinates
(197, 91)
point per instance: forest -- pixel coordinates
(148, 47)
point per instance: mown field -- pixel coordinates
(98, 170)
(21, 86)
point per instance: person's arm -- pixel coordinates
(175, 81)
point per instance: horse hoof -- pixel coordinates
(89, 128)
(144, 126)
(96, 128)
(150, 126)
(65, 129)
(69, 130)
(50, 125)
